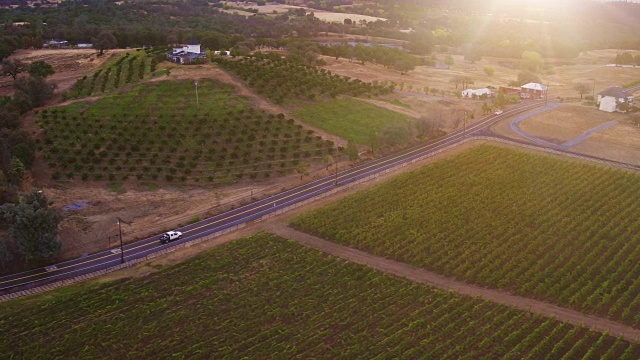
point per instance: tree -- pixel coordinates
(582, 88)
(104, 41)
(5, 255)
(489, 70)
(13, 68)
(352, 151)
(449, 60)
(9, 118)
(525, 77)
(15, 174)
(32, 91)
(40, 69)
(531, 61)
(33, 225)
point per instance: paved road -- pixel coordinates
(106, 259)
(241, 215)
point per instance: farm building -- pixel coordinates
(533, 91)
(469, 93)
(509, 90)
(187, 54)
(613, 99)
(55, 43)
(83, 45)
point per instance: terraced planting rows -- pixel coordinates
(539, 226)
(157, 132)
(129, 67)
(265, 297)
(281, 79)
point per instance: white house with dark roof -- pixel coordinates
(187, 54)
(614, 98)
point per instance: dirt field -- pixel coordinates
(69, 65)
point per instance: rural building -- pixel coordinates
(222, 52)
(83, 45)
(533, 91)
(614, 98)
(55, 43)
(469, 93)
(509, 90)
(187, 54)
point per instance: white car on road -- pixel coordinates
(498, 112)
(170, 236)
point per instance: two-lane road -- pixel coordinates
(244, 214)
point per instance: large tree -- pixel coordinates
(33, 225)
(582, 88)
(104, 41)
(40, 69)
(32, 91)
(531, 61)
(12, 67)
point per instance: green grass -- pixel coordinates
(539, 226)
(116, 187)
(350, 119)
(265, 297)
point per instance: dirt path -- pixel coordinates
(214, 72)
(426, 277)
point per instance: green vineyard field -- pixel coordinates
(157, 131)
(265, 297)
(532, 224)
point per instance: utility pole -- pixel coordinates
(197, 100)
(336, 182)
(121, 247)
(119, 221)
(464, 125)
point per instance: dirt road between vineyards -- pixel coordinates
(426, 277)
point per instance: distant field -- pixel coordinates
(532, 224)
(265, 297)
(349, 119)
(159, 132)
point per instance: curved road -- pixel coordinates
(109, 258)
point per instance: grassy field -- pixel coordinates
(265, 297)
(539, 226)
(350, 119)
(159, 132)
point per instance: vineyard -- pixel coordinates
(281, 79)
(531, 224)
(159, 132)
(127, 68)
(265, 297)
(350, 119)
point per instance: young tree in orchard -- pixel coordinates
(582, 88)
(33, 225)
(104, 41)
(16, 172)
(40, 69)
(13, 67)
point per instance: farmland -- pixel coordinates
(349, 119)
(160, 132)
(129, 67)
(281, 79)
(541, 227)
(263, 296)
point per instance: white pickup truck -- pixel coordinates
(170, 236)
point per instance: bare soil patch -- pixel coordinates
(69, 65)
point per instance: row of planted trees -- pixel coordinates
(281, 79)
(204, 148)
